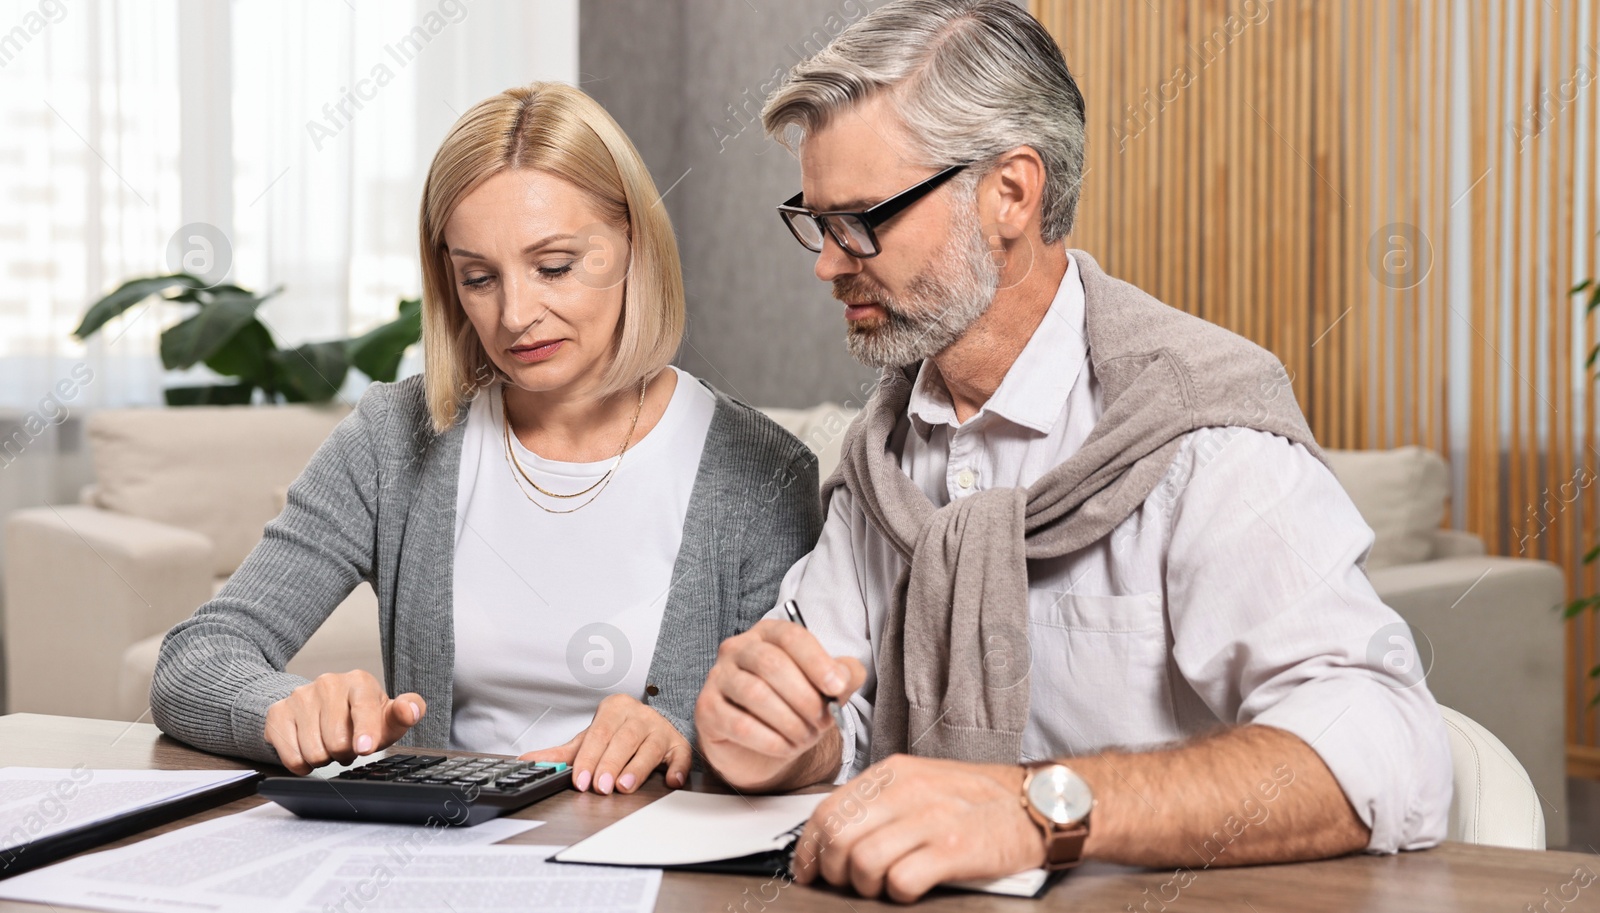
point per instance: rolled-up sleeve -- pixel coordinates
(1275, 623)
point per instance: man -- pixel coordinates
(1086, 586)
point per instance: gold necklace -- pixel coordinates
(601, 483)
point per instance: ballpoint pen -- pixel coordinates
(792, 609)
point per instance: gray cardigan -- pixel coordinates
(377, 503)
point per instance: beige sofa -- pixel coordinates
(1488, 624)
(181, 496)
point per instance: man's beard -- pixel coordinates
(935, 310)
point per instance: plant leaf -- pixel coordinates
(311, 373)
(210, 395)
(201, 336)
(1591, 554)
(205, 295)
(1577, 606)
(126, 296)
(1594, 300)
(1578, 289)
(377, 353)
(247, 355)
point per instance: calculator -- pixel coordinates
(421, 789)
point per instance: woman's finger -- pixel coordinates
(612, 713)
(646, 758)
(624, 744)
(308, 730)
(367, 702)
(559, 754)
(678, 759)
(280, 734)
(337, 717)
(400, 714)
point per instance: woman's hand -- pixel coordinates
(338, 717)
(624, 742)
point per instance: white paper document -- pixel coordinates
(39, 802)
(1023, 884)
(684, 828)
(494, 879)
(251, 861)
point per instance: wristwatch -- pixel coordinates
(1059, 801)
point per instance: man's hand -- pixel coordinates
(338, 717)
(907, 824)
(761, 716)
(624, 742)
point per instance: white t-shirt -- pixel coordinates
(553, 612)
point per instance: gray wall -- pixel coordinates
(686, 79)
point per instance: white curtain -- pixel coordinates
(89, 177)
(113, 135)
(337, 113)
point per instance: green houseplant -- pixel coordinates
(224, 334)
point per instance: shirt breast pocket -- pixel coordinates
(1099, 672)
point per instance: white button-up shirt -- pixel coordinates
(1235, 594)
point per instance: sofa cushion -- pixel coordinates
(210, 469)
(347, 640)
(821, 428)
(1401, 494)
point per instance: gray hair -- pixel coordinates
(970, 79)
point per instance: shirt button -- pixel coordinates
(651, 690)
(966, 478)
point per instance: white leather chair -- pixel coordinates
(1495, 802)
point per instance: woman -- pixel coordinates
(560, 526)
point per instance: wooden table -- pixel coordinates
(1452, 877)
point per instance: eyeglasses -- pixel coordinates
(854, 231)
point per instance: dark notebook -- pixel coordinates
(48, 814)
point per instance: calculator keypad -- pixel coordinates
(487, 774)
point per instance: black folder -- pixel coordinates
(16, 859)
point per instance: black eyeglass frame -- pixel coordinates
(869, 218)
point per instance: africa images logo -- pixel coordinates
(599, 655)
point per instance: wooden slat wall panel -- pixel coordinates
(1582, 525)
(1243, 158)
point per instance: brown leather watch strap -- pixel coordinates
(1063, 848)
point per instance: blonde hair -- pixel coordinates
(557, 129)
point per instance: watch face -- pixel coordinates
(1060, 795)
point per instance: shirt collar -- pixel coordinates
(1034, 391)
